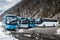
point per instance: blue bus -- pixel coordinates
(39, 22)
(10, 22)
(22, 22)
(26, 22)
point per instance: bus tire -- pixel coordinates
(54, 25)
(44, 25)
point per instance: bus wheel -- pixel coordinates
(53, 25)
(44, 25)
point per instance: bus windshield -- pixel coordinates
(31, 21)
(11, 20)
(24, 21)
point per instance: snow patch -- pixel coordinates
(4, 35)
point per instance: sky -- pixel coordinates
(6, 4)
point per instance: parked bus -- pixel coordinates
(26, 23)
(10, 22)
(46, 22)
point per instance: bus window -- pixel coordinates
(38, 21)
(24, 21)
(50, 20)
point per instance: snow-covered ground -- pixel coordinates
(49, 31)
(4, 35)
(1, 24)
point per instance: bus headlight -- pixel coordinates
(7, 22)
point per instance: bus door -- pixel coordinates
(19, 22)
(31, 23)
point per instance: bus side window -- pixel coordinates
(41, 20)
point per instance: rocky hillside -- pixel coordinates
(39, 8)
(36, 8)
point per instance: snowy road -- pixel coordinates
(5, 35)
(21, 37)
